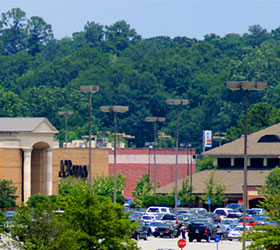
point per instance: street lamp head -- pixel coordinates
(114, 108)
(177, 102)
(89, 88)
(155, 119)
(65, 112)
(246, 85)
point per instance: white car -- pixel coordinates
(148, 218)
(236, 233)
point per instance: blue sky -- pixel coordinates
(150, 18)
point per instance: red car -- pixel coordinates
(249, 221)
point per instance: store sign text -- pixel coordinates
(68, 169)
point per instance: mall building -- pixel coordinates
(30, 156)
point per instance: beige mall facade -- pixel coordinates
(32, 159)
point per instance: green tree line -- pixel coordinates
(41, 75)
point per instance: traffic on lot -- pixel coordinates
(195, 224)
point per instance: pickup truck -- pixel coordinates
(201, 229)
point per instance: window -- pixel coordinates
(269, 138)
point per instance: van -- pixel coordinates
(159, 210)
(222, 212)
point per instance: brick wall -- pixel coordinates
(133, 163)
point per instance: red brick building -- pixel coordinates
(134, 163)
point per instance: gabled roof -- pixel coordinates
(25, 124)
(233, 179)
(236, 147)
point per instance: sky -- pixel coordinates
(151, 18)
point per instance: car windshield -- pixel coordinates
(146, 217)
(153, 210)
(200, 221)
(155, 224)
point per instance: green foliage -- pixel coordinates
(143, 188)
(205, 163)
(37, 199)
(7, 194)
(41, 75)
(159, 200)
(87, 222)
(101, 224)
(214, 191)
(104, 186)
(267, 237)
(260, 116)
(185, 193)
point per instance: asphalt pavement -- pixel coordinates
(171, 244)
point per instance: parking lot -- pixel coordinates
(171, 244)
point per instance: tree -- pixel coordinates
(185, 193)
(12, 33)
(260, 116)
(85, 222)
(205, 163)
(267, 237)
(104, 186)
(39, 33)
(7, 194)
(102, 223)
(214, 191)
(142, 189)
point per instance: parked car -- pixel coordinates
(159, 210)
(201, 229)
(236, 233)
(235, 207)
(148, 218)
(249, 221)
(140, 232)
(166, 230)
(153, 225)
(170, 218)
(222, 212)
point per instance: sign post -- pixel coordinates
(217, 240)
(181, 243)
(209, 203)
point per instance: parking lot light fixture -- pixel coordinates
(89, 89)
(246, 86)
(65, 114)
(178, 103)
(115, 109)
(154, 120)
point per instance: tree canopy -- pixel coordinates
(41, 75)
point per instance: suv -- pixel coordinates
(235, 206)
(159, 210)
(222, 212)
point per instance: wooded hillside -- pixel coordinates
(41, 75)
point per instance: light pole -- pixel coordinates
(178, 103)
(65, 114)
(245, 85)
(115, 110)
(89, 89)
(219, 136)
(154, 120)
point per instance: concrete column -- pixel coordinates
(265, 162)
(48, 172)
(27, 174)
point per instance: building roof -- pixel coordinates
(24, 124)
(236, 148)
(233, 179)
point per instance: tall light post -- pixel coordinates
(154, 120)
(115, 110)
(245, 85)
(65, 114)
(89, 89)
(178, 103)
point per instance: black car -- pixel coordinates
(201, 229)
(141, 232)
(166, 230)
